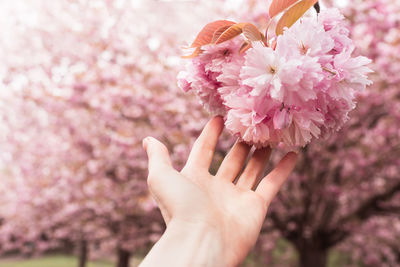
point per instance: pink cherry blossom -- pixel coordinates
(201, 74)
(300, 90)
(265, 71)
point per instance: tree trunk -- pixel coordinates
(312, 257)
(83, 253)
(123, 258)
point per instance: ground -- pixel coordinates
(55, 261)
(335, 259)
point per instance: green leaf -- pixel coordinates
(293, 14)
(277, 6)
(206, 34)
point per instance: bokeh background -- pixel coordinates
(83, 81)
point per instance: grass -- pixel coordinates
(335, 259)
(51, 261)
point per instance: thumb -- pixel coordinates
(157, 154)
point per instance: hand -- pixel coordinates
(226, 206)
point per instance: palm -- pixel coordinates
(226, 200)
(215, 201)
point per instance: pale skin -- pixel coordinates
(212, 220)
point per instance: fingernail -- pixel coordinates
(144, 142)
(219, 117)
(297, 152)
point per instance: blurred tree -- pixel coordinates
(83, 82)
(345, 192)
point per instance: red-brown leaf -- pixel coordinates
(195, 53)
(206, 34)
(230, 33)
(218, 33)
(277, 6)
(293, 14)
(245, 46)
(252, 33)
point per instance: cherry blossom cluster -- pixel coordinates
(295, 87)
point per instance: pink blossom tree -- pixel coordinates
(81, 91)
(345, 192)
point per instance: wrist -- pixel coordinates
(200, 244)
(188, 244)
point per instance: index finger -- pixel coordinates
(202, 152)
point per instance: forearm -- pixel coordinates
(187, 244)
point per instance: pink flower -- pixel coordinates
(265, 71)
(282, 119)
(250, 118)
(335, 112)
(333, 23)
(305, 37)
(183, 82)
(305, 89)
(330, 18)
(305, 125)
(202, 72)
(352, 70)
(302, 89)
(229, 78)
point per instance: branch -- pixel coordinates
(366, 210)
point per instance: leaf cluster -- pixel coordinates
(224, 30)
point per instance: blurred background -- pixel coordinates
(83, 81)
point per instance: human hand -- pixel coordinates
(232, 209)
